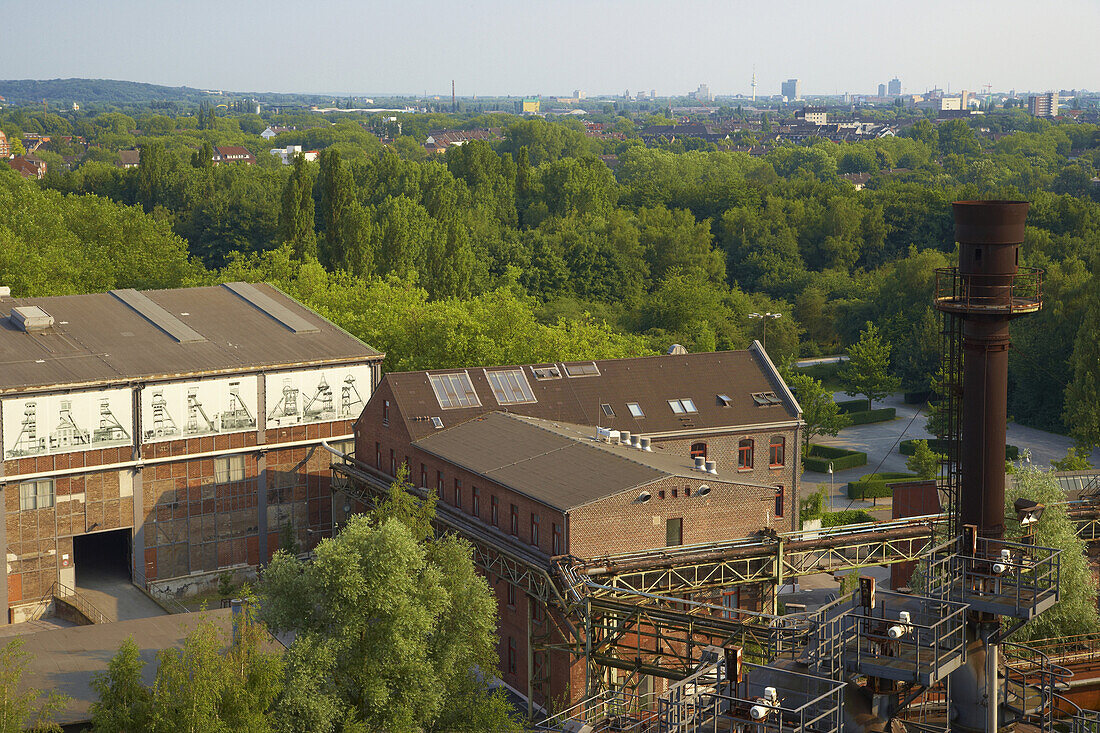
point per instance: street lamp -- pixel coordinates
(764, 327)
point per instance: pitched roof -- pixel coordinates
(558, 464)
(650, 382)
(128, 158)
(124, 335)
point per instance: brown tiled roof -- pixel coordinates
(558, 464)
(128, 158)
(649, 381)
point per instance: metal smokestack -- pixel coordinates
(986, 291)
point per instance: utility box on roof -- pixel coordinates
(30, 318)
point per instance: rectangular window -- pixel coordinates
(534, 529)
(674, 532)
(36, 494)
(511, 655)
(586, 369)
(682, 405)
(546, 372)
(607, 410)
(378, 456)
(635, 409)
(454, 390)
(513, 525)
(777, 451)
(393, 462)
(458, 493)
(423, 475)
(475, 506)
(778, 501)
(731, 601)
(555, 532)
(494, 511)
(511, 595)
(439, 483)
(385, 412)
(228, 469)
(744, 455)
(510, 387)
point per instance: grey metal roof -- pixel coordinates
(558, 464)
(160, 334)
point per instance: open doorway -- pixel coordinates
(102, 557)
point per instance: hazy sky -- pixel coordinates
(523, 47)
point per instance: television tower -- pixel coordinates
(754, 82)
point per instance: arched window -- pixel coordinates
(698, 450)
(744, 454)
(777, 451)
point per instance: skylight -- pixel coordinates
(454, 390)
(584, 369)
(635, 409)
(510, 386)
(682, 405)
(438, 422)
(724, 400)
(763, 399)
(607, 410)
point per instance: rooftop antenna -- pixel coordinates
(454, 105)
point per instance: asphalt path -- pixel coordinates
(880, 442)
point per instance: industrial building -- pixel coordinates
(621, 620)
(171, 433)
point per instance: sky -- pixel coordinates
(552, 47)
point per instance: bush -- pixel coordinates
(819, 457)
(850, 406)
(909, 447)
(812, 506)
(877, 485)
(883, 414)
(848, 516)
(824, 373)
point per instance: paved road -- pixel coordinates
(880, 442)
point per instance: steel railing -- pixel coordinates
(65, 594)
(974, 292)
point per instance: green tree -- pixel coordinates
(394, 630)
(925, 462)
(867, 371)
(1082, 405)
(819, 409)
(124, 703)
(204, 156)
(296, 219)
(152, 175)
(24, 709)
(1075, 613)
(337, 197)
(1074, 460)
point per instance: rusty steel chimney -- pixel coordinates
(985, 292)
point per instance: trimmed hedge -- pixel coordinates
(873, 486)
(882, 414)
(819, 457)
(848, 516)
(909, 447)
(850, 406)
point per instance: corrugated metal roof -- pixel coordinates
(558, 464)
(650, 382)
(98, 338)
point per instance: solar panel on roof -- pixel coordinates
(279, 312)
(158, 316)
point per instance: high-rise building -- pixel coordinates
(703, 94)
(882, 90)
(791, 89)
(1043, 105)
(895, 87)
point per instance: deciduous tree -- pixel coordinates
(867, 371)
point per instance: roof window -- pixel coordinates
(584, 369)
(764, 399)
(510, 387)
(682, 405)
(437, 422)
(550, 371)
(454, 390)
(724, 400)
(607, 410)
(635, 409)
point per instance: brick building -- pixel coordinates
(552, 459)
(175, 433)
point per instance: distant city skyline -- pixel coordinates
(501, 48)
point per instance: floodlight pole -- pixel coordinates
(764, 326)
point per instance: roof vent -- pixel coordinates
(700, 463)
(676, 350)
(644, 445)
(702, 491)
(5, 291)
(712, 467)
(30, 318)
(635, 441)
(624, 437)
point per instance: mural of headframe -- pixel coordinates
(317, 395)
(51, 424)
(179, 410)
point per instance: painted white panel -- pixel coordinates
(45, 425)
(317, 395)
(177, 410)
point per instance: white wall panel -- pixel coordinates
(179, 410)
(317, 395)
(51, 424)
